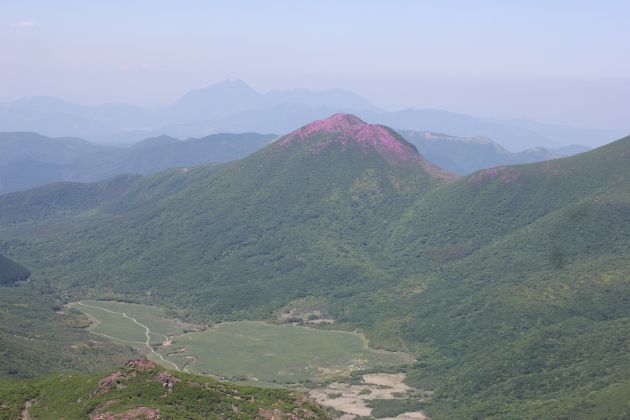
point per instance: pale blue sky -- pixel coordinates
(552, 60)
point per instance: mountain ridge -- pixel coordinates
(236, 107)
(347, 130)
(465, 155)
(29, 160)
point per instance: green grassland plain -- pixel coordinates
(242, 350)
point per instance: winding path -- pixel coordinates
(147, 332)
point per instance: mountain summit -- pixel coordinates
(346, 131)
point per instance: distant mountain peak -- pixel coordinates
(337, 122)
(347, 130)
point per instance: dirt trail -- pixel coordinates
(26, 415)
(147, 333)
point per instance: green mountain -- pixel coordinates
(526, 286)
(60, 200)
(142, 390)
(510, 285)
(28, 160)
(26, 145)
(239, 235)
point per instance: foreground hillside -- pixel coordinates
(38, 337)
(510, 286)
(142, 390)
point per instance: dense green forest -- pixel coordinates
(39, 336)
(511, 286)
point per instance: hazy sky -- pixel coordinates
(552, 60)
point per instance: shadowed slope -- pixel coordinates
(11, 272)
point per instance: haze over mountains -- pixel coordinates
(233, 106)
(465, 155)
(28, 159)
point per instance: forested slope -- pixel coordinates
(510, 285)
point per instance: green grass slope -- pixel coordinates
(39, 336)
(525, 288)
(60, 200)
(142, 390)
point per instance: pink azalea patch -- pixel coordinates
(348, 129)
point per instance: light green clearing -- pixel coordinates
(112, 322)
(285, 353)
(250, 350)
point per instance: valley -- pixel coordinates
(325, 363)
(241, 351)
(488, 282)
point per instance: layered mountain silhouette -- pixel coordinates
(465, 155)
(28, 160)
(233, 106)
(492, 280)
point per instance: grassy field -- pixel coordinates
(284, 353)
(111, 322)
(244, 350)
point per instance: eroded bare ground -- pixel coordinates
(293, 316)
(352, 400)
(26, 415)
(131, 414)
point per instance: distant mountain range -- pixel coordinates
(464, 155)
(233, 106)
(29, 160)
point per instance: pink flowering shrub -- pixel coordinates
(347, 129)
